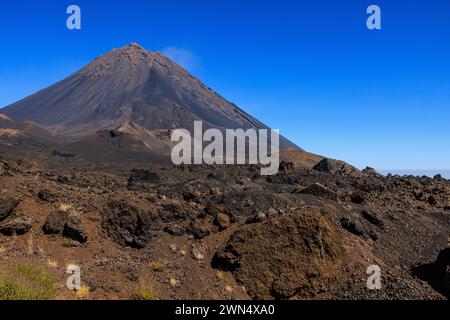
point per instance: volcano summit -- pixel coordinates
(130, 87)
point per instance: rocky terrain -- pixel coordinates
(221, 232)
(85, 180)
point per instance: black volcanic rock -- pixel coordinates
(326, 165)
(130, 85)
(18, 226)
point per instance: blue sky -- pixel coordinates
(310, 68)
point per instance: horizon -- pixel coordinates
(380, 100)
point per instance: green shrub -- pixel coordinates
(26, 282)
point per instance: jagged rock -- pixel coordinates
(7, 207)
(285, 256)
(318, 190)
(69, 225)
(128, 225)
(18, 226)
(55, 222)
(143, 180)
(74, 229)
(373, 219)
(351, 226)
(326, 165)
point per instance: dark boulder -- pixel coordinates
(7, 207)
(373, 219)
(351, 226)
(18, 226)
(357, 198)
(55, 222)
(289, 255)
(69, 225)
(127, 225)
(327, 166)
(74, 229)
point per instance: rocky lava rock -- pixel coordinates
(128, 225)
(69, 225)
(18, 226)
(281, 258)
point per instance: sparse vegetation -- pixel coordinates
(26, 282)
(83, 292)
(64, 207)
(52, 263)
(144, 293)
(220, 275)
(157, 266)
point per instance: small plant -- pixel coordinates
(52, 263)
(83, 292)
(27, 282)
(64, 207)
(145, 294)
(220, 275)
(157, 267)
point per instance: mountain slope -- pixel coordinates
(125, 85)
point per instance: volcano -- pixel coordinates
(134, 91)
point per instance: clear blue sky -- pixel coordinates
(310, 68)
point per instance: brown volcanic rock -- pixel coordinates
(130, 85)
(7, 207)
(283, 257)
(129, 225)
(55, 222)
